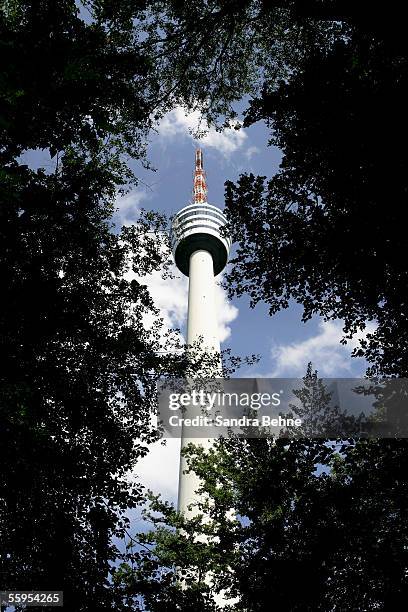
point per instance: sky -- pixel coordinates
(285, 344)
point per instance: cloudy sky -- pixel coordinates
(284, 343)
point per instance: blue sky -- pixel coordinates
(284, 343)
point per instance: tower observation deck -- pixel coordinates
(197, 227)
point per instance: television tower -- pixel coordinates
(201, 253)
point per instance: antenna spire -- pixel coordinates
(200, 185)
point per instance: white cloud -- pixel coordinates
(324, 350)
(177, 123)
(171, 297)
(227, 313)
(128, 207)
(251, 151)
(159, 469)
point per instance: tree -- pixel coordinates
(78, 386)
(327, 229)
(320, 525)
(79, 382)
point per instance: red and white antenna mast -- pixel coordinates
(200, 185)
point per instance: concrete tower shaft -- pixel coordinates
(201, 252)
